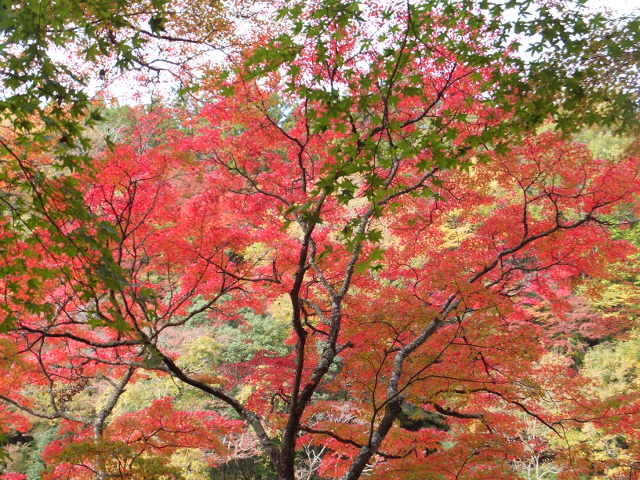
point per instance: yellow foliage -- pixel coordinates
(257, 253)
(245, 392)
(455, 234)
(191, 463)
(142, 393)
(615, 366)
(280, 309)
(201, 355)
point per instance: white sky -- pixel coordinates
(622, 6)
(123, 91)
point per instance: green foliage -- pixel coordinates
(201, 356)
(259, 333)
(44, 111)
(4, 456)
(560, 78)
(414, 418)
(254, 468)
(42, 94)
(233, 343)
(567, 76)
(31, 463)
(604, 144)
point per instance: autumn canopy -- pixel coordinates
(376, 240)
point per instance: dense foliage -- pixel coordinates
(369, 249)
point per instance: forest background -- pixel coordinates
(333, 239)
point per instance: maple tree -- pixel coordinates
(422, 286)
(384, 209)
(55, 61)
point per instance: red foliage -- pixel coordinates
(411, 284)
